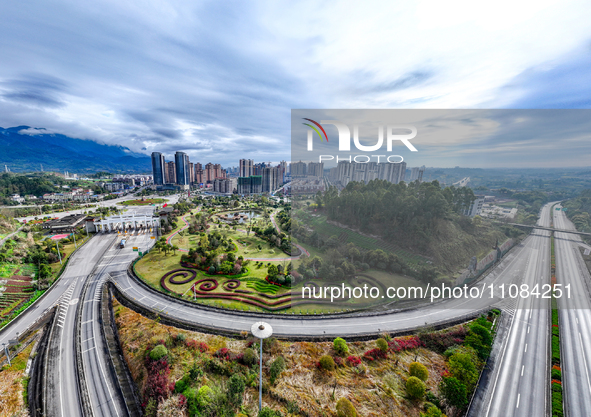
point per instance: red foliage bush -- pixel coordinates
(374, 354)
(193, 344)
(403, 343)
(354, 360)
(157, 384)
(338, 360)
(223, 354)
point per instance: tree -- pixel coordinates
(453, 391)
(174, 249)
(415, 387)
(419, 370)
(272, 271)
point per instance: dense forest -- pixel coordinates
(403, 210)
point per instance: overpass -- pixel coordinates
(552, 229)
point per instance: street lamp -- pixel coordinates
(261, 330)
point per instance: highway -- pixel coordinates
(61, 388)
(519, 382)
(103, 391)
(510, 270)
(574, 319)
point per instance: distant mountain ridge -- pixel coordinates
(25, 152)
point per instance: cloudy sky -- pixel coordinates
(219, 79)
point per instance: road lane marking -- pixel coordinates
(525, 348)
(585, 360)
(528, 328)
(518, 397)
(84, 351)
(522, 368)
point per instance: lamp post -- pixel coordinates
(261, 330)
(58, 251)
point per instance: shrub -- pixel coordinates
(432, 411)
(374, 354)
(453, 391)
(556, 374)
(267, 412)
(354, 360)
(345, 408)
(433, 399)
(204, 396)
(269, 344)
(419, 370)
(211, 270)
(382, 345)
(182, 384)
(200, 346)
(415, 387)
(327, 362)
(236, 387)
(158, 352)
(250, 357)
(461, 366)
(340, 346)
(180, 338)
(277, 367)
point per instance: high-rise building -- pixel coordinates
(365, 172)
(224, 185)
(170, 172)
(158, 168)
(271, 179)
(246, 167)
(198, 173)
(416, 174)
(250, 185)
(298, 169)
(181, 160)
(209, 173)
(191, 173)
(315, 169)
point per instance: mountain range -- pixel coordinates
(22, 152)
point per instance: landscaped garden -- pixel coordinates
(183, 373)
(245, 267)
(143, 202)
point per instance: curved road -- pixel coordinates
(510, 270)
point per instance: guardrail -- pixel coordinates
(117, 364)
(79, 364)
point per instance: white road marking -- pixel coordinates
(518, 397)
(522, 368)
(525, 348)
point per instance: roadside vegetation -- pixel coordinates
(183, 373)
